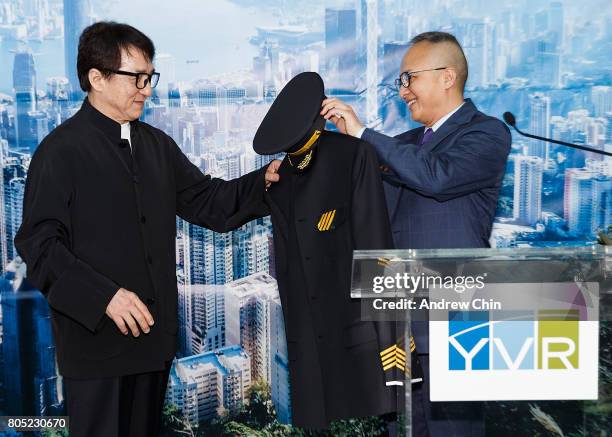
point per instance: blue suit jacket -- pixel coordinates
(444, 193)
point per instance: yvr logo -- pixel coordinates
(522, 340)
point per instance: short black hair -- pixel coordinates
(436, 37)
(101, 44)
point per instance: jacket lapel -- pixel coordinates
(394, 191)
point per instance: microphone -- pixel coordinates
(511, 121)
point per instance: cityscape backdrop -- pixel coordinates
(221, 64)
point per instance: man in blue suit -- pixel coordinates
(442, 182)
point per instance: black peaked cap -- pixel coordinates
(292, 115)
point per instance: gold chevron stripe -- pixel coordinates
(386, 356)
(324, 224)
(394, 354)
(393, 350)
(388, 360)
(322, 220)
(327, 216)
(389, 349)
(392, 365)
(389, 366)
(395, 357)
(393, 360)
(328, 221)
(331, 220)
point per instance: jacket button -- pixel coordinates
(301, 219)
(149, 259)
(135, 178)
(307, 258)
(313, 297)
(150, 301)
(143, 219)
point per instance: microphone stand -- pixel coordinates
(511, 121)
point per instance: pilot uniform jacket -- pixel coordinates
(319, 217)
(97, 217)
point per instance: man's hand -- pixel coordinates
(127, 310)
(272, 173)
(342, 115)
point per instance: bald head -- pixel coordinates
(442, 49)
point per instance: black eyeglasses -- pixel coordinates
(406, 76)
(142, 79)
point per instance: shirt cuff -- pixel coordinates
(361, 131)
(389, 383)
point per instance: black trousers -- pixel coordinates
(120, 406)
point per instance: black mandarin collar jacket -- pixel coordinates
(97, 217)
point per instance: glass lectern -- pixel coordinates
(521, 334)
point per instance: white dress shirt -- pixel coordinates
(125, 133)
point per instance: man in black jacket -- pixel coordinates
(98, 236)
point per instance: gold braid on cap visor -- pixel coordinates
(305, 148)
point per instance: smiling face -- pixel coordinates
(431, 94)
(117, 96)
